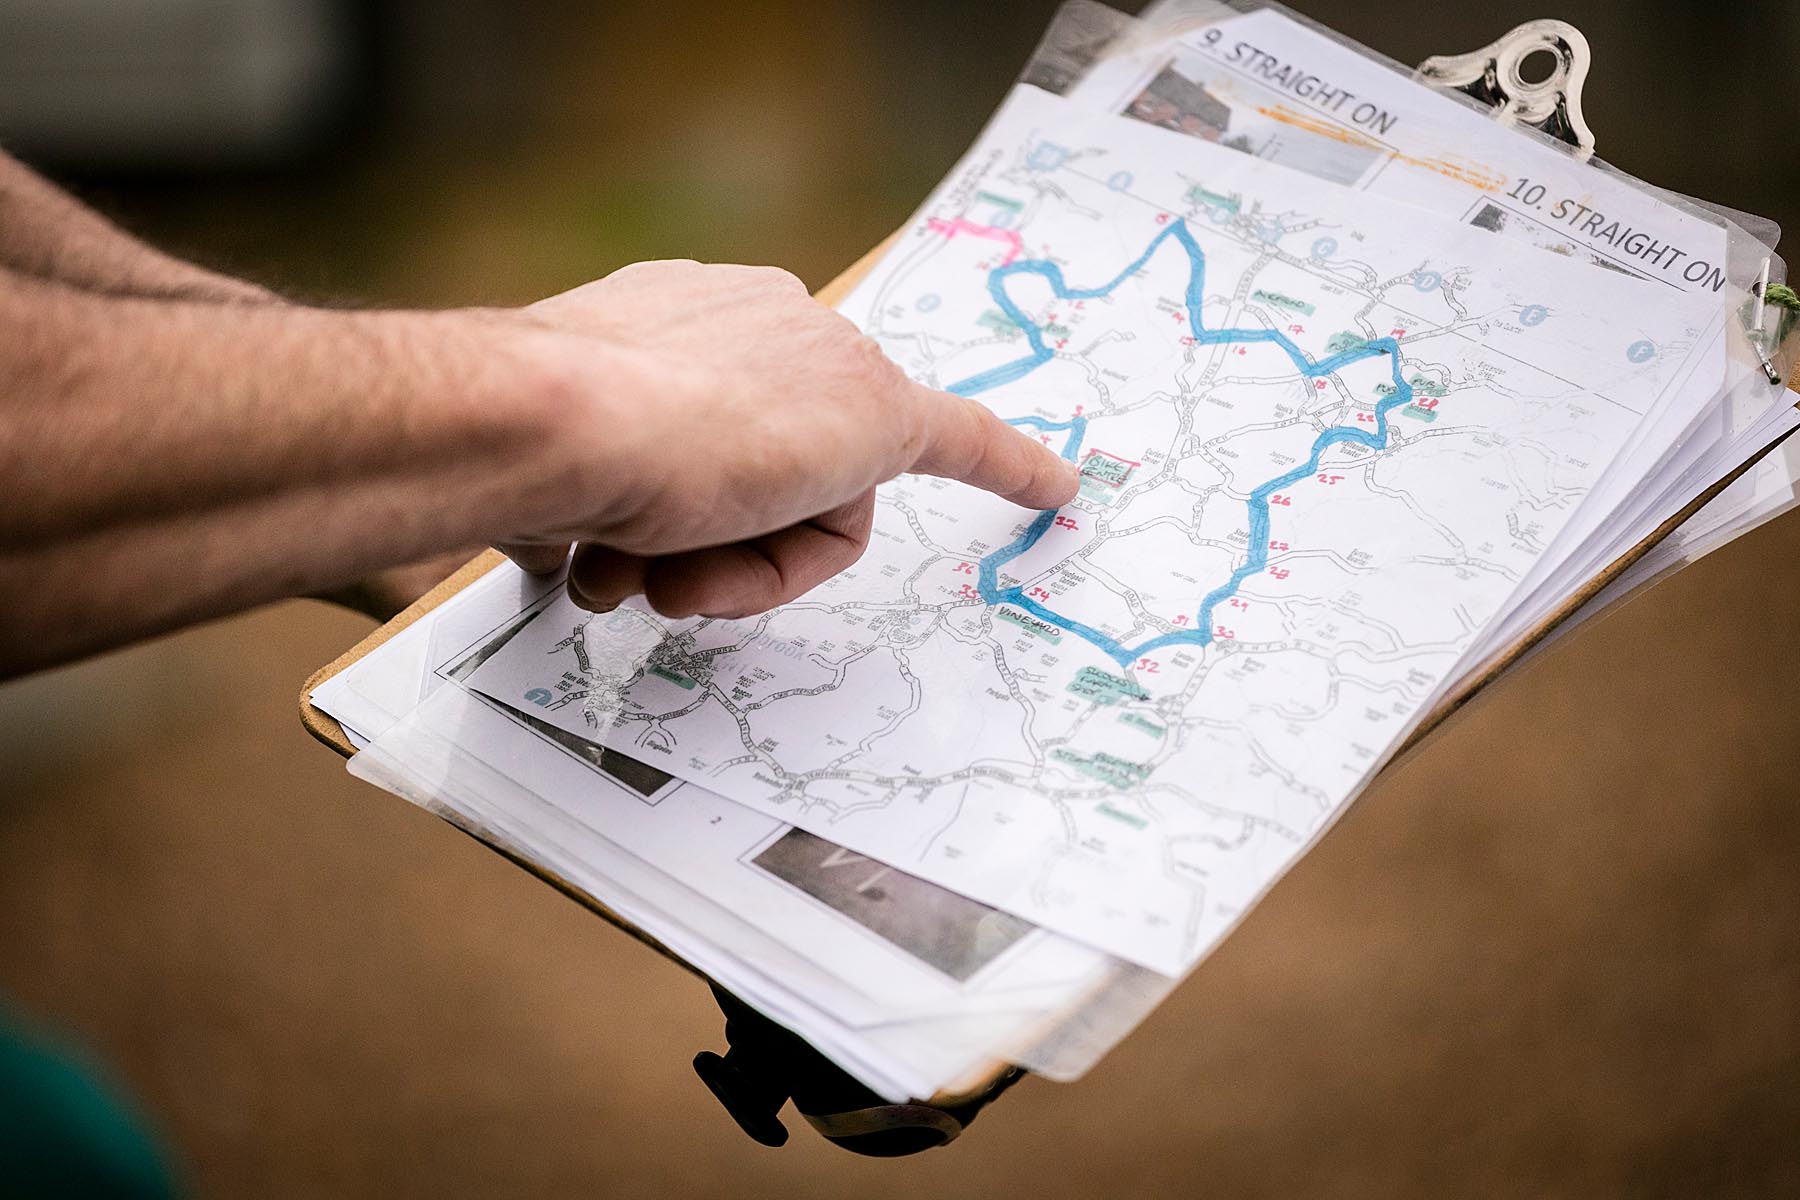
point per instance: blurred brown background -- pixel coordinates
(1553, 954)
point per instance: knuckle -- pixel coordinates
(975, 424)
(673, 593)
(780, 278)
(873, 361)
(1020, 468)
(670, 605)
(979, 462)
(855, 545)
(927, 430)
(911, 440)
(654, 266)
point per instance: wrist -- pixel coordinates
(549, 410)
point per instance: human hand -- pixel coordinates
(747, 429)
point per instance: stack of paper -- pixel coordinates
(1366, 389)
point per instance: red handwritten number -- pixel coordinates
(1330, 480)
(968, 593)
(1274, 545)
(1038, 594)
(1296, 329)
(1366, 418)
(965, 568)
(1239, 604)
(1428, 403)
(1279, 572)
(1219, 631)
(1181, 619)
(1280, 499)
(1148, 667)
(1067, 523)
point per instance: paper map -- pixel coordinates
(1323, 440)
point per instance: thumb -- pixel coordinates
(536, 558)
(601, 578)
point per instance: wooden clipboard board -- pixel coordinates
(328, 731)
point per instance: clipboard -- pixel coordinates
(772, 1065)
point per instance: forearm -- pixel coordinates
(169, 462)
(46, 233)
(712, 429)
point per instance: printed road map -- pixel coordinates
(1323, 438)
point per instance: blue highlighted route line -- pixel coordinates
(1257, 559)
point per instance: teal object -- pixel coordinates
(63, 1132)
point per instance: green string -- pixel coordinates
(1782, 296)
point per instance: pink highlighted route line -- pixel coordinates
(950, 229)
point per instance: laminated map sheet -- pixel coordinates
(1260, 80)
(1324, 438)
(909, 986)
(1264, 83)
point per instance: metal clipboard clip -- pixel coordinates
(1495, 76)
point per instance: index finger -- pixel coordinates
(967, 442)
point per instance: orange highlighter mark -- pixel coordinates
(1471, 176)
